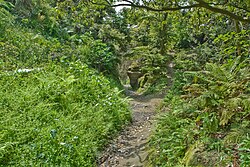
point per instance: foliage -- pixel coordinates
(101, 57)
(55, 110)
(232, 10)
(209, 100)
(6, 17)
(244, 151)
(57, 116)
(152, 64)
(222, 89)
(60, 30)
(212, 119)
(21, 48)
(184, 60)
(233, 44)
(171, 138)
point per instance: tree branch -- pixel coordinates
(155, 9)
(200, 4)
(222, 11)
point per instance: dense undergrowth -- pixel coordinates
(57, 116)
(59, 85)
(60, 101)
(207, 123)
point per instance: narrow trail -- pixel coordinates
(129, 148)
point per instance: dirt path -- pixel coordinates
(129, 148)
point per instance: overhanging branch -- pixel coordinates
(222, 11)
(199, 4)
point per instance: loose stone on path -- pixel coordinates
(129, 148)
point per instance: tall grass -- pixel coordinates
(57, 116)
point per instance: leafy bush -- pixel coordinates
(209, 125)
(21, 48)
(57, 116)
(102, 58)
(223, 90)
(233, 44)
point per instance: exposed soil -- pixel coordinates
(129, 148)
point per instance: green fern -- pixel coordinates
(221, 91)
